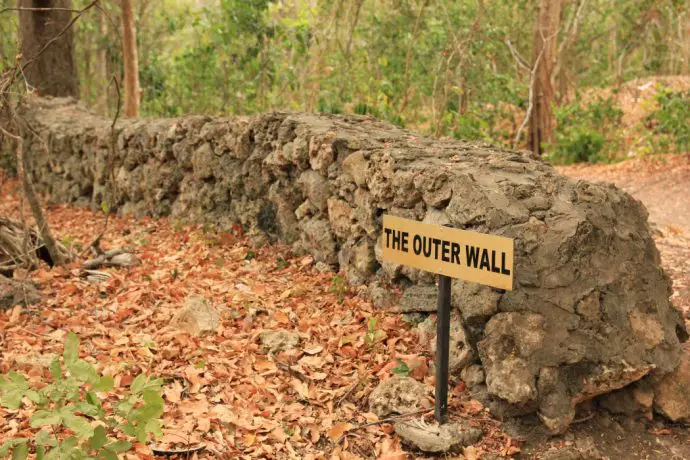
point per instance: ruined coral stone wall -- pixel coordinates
(590, 311)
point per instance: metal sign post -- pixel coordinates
(442, 348)
(451, 253)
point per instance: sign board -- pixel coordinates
(470, 256)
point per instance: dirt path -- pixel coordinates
(661, 183)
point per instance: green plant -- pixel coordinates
(74, 401)
(402, 368)
(670, 123)
(339, 288)
(586, 132)
(373, 335)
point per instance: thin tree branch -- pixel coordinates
(519, 59)
(22, 8)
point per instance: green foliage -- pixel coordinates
(440, 68)
(74, 401)
(7, 158)
(670, 122)
(586, 132)
(402, 368)
(339, 288)
(373, 335)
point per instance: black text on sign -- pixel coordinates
(470, 256)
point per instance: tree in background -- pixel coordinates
(544, 58)
(130, 59)
(49, 69)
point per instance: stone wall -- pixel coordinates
(590, 311)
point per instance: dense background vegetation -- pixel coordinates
(441, 67)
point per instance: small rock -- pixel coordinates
(397, 395)
(472, 375)
(434, 438)
(323, 268)
(125, 259)
(279, 340)
(16, 293)
(672, 392)
(197, 316)
(38, 360)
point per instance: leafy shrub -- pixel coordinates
(670, 123)
(72, 402)
(586, 132)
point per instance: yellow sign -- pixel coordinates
(470, 256)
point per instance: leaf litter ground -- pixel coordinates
(223, 391)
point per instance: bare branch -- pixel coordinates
(37, 9)
(519, 59)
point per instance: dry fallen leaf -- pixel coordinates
(338, 430)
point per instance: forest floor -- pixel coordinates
(224, 391)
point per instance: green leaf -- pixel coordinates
(20, 451)
(80, 425)
(84, 372)
(33, 396)
(138, 383)
(88, 409)
(119, 447)
(129, 429)
(10, 443)
(99, 438)
(56, 370)
(154, 427)
(71, 353)
(12, 400)
(106, 383)
(44, 417)
(105, 207)
(43, 438)
(402, 368)
(153, 398)
(40, 453)
(107, 454)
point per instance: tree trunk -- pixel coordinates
(686, 43)
(102, 65)
(544, 55)
(131, 60)
(53, 71)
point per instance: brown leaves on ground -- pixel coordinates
(223, 389)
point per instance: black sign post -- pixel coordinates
(442, 348)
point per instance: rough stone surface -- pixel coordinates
(279, 340)
(418, 298)
(16, 293)
(397, 395)
(436, 439)
(672, 392)
(590, 303)
(461, 352)
(472, 375)
(197, 317)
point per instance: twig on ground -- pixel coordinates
(348, 392)
(286, 368)
(381, 422)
